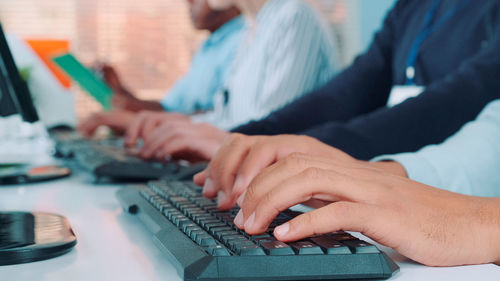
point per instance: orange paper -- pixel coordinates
(46, 49)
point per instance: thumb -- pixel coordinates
(337, 216)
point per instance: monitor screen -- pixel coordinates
(15, 86)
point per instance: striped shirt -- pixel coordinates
(288, 53)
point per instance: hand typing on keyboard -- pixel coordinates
(241, 158)
(146, 122)
(269, 174)
(429, 225)
(178, 138)
(117, 120)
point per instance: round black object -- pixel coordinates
(45, 236)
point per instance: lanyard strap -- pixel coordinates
(429, 27)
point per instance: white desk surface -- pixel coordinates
(113, 245)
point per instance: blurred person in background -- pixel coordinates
(192, 93)
(287, 51)
(432, 67)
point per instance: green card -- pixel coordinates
(86, 79)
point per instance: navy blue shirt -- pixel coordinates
(459, 64)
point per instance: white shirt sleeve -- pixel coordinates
(467, 162)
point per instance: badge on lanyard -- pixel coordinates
(400, 93)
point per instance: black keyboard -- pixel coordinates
(203, 243)
(108, 159)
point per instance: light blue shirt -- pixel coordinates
(467, 162)
(207, 73)
(287, 52)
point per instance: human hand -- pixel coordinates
(242, 157)
(146, 122)
(183, 139)
(116, 120)
(110, 76)
(122, 98)
(431, 226)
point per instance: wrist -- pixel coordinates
(483, 215)
(492, 227)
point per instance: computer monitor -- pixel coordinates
(7, 107)
(15, 87)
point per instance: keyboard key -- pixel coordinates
(174, 214)
(205, 240)
(261, 240)
(180, 223)
(179, 199)
(190, 212)
(289, 214)
(168, 210)
(234, 211)
(344, 236)
(306, 248)
(218, 251)
(250, 250)
(221, 228)
(185, 205)
(175, 218)
(204, 216)
(222, 231)
(194, 234)
(162, 205)
(207, 220)
(212, 224)
(330, 246)
(205, 202)
(211, 209)
(185, 227)
(239, 243)
(190, 230)
(195, 210)
(361, 247)
(277, 248)
(228, 218)
(227, 238)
